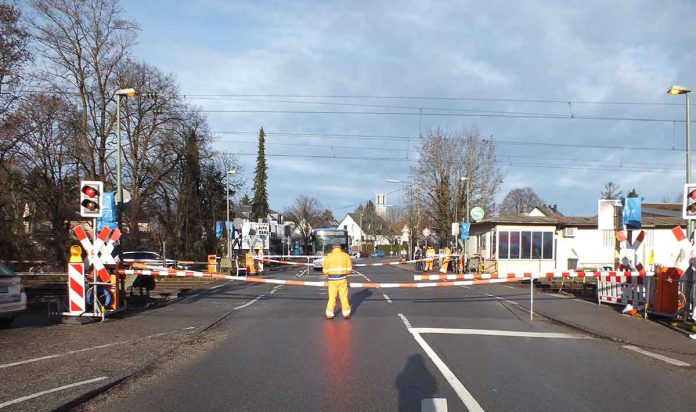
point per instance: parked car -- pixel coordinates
(148, 258)
(13, 299)
(359, 254)
(318, 264)
(377, 253)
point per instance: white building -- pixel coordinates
(540, 243)
(356, 236)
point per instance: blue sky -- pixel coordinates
(511, 67)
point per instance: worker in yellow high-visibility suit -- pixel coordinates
(337, 266)
(445, 260)
(249, 263)
(429, 256)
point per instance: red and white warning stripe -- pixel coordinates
(168, 273)
(92, 257)
(685, 250)
(398, 262)
(368, 285)
(76, 288)
(519, 275)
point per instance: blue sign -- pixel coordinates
(220, 229)
(465, 231)
(632, 212)
(109, 218)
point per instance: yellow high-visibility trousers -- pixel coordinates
(428, 265)
(444, 266)
(340, 288)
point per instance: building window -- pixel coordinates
(504, 245)
(525, 245)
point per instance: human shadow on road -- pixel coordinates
(357, 298)
(415, 383)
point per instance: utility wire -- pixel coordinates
(375, 113)
(500, 163)
(415, 138)
(443, 98)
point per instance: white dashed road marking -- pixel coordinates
(60, 388)
(663, 358)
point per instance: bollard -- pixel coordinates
(212, 263)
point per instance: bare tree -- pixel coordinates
(443, 159)
(84, 42)
(520, 200)
(611, 191)
(14, 54)
(44, 155)
(308, 214)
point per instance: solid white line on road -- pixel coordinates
(451, 378)
(218, 286)
(72, 352)
(249, 303)
(509, 287)
(434, 405)
(490, 332)
(366, 278)
(60, 388)
(663, 358)
(302, 273)
(386, 297)
(275, 289)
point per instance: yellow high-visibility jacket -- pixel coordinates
(430, 254)
(337, 264)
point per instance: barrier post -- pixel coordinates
(212, 263)
(76, 283)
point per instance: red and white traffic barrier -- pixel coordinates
(520, 275)
(168, 273)
(399, 262)
(622, 290)
(76, 289)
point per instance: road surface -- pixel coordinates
(268, 347)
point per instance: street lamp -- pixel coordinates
(227, 222)
(129, 92)
(686, 90)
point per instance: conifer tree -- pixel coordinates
(259, 206)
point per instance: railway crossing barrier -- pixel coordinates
(97, 292)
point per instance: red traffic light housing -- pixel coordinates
(90, 198)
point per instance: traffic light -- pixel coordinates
(91, 198)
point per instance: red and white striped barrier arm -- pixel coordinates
(398, 262)
(546, 275)
(168, 273)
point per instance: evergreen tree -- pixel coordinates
(259, 206)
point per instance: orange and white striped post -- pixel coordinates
(76, 283)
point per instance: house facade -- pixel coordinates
(537, 243)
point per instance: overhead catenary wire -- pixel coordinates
(416, 138)
(443, 98)
(499, 115)
(500, 163)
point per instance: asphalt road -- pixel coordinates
(469, 348)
